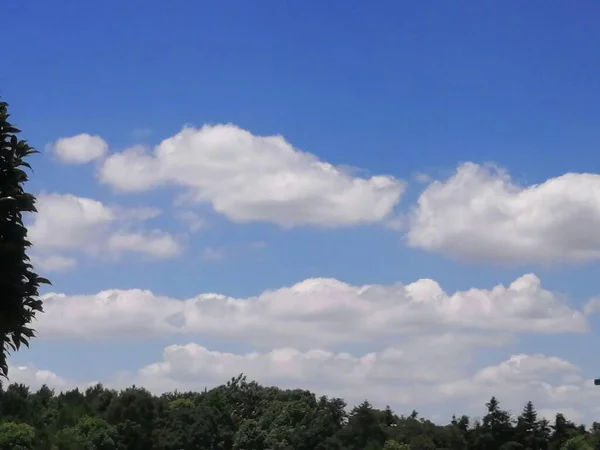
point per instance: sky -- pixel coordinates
(393, 201)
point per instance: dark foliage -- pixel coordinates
(19, 301)
(243, 415)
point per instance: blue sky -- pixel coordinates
(408, 90)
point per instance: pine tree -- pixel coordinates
(496, 426)
(527, 430)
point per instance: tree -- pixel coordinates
(578, 443)
(97, 432)
(242, 415)
(527, 431)
(16, 436)
(19, 284)
(562, 431)
(71, 439)
(395, 445)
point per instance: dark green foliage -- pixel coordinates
(19, 284)
(243, 415)
(16, 436)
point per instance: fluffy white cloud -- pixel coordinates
(314, 312)
(254, 178)
(416, 360)
(434, 373)
(553, 384)
(65, 222)
(481, 214)
(80, 149)
(36, 378)
(424, 372)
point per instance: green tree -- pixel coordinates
(97, 432)
(562, 431)
(71, 439)
(16, 436)
(527, 431)
(496, 427)
(250, 436)
(19, 284)
(242, 415)
(390, 444)
(133, 412)
(578, 443)
(364, 428)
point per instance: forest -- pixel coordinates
(244, 415)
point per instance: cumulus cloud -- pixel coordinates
(481, 214)
(80, 149)
(554, 384)
(419, 359)
(414, 375)
(36, 378)
(434, 373)
(65, 222)
(254, 178)
(314, 312)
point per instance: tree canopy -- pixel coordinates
(19, 283)
(243, 415)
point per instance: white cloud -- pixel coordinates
(314, 312)
(55, 263)
(36, 378)
(415, 375)
(551, 383)
(523, 367)
(156, 243)
(429, 373)
(254, 178)
(68, 222)
(481, 214)
(417, 360)
(80, 149)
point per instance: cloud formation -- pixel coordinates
(54, 263)
(36, 378)
(314, 312)
(80, 149)
(251, 178)
(434, 372)
(67, 223)
(413, 375)
(481, 214)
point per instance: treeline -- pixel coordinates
(244, 415)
